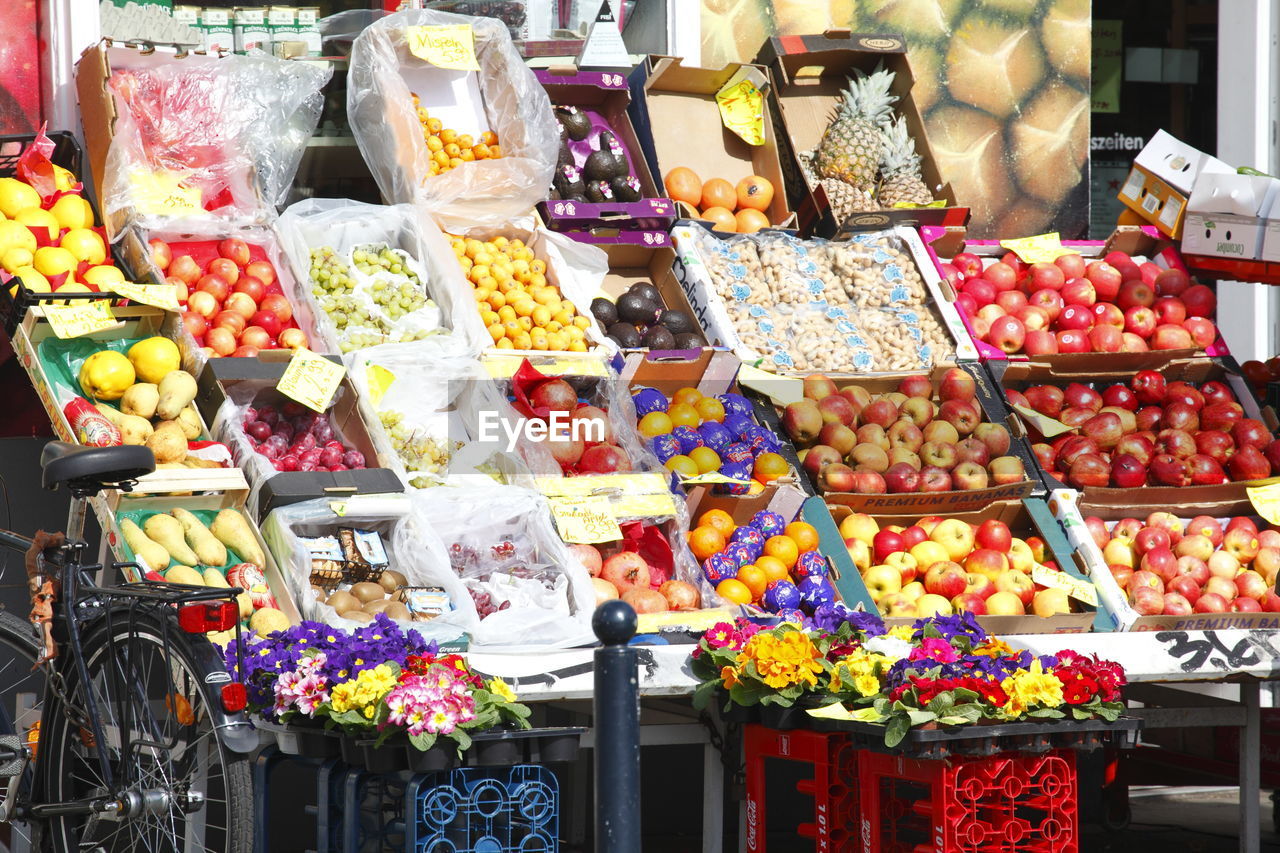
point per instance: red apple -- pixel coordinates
(1248, 463)
(1203, 332)
(1072, 340)
(1200, 301)
(1040, 342)
(1105, 278)
(1176, 604)
(1046, 399)
(1127, 472)
(1186, 586)
(1166, 470)
(1140, 320)
(1107, 314)
(1032, 317)
(234, 250)
(1077, 317)
(957, 384)
(1007, 334)
(968, 264)
(1050, 301)
(268, 321)
(1106, 339)
(1133, 343)
(249, 285)
(1135, 293)
(1170, 309)
(1079, 291)
(1150, 387)
(1211, 602)
(1169, 336)
(1251, 432)
(981, 291)
(1172, 282)
(945, 578)
(1077, 395)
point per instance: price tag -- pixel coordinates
(451, 46)
(1042, 248)
(1048, 426)
(163, 194)
(310, 379)
(742, 110)
(782, 390)
(1266, 500)
(338, 508)
(1081, 590)
(710, 478)
(80, 318)
(379, 379)
(157, 295)
(585, 520)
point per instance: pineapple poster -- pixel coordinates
(1003, 86)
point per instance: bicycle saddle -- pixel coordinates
(92, 469)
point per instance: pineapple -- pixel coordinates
(843, 198)
(852, 144)
(900, 169)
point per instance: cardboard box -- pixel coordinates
(604, 236)
(1141, 242)
(993, 410)
(677, 122)
(286, 487)
(1230, 269)
(1099, 371)
(219, 35)
(1227, 215)
(250, 28)
(606, 95)
(1160, 183)
(631, 264)
(1029, 517)
(809, 73)
(1070, 508)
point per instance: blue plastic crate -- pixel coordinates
(484, 810)
(373, 812)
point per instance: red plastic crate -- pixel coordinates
(834, 824)
(1006, 803)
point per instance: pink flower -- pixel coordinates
(934, 649)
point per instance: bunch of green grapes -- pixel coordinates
(420, 453)
(329, 273)
(398, 299)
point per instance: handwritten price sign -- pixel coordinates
(80, 318)
(452, 46)
(1078, 589)
(164, 194)
(311, 379)
(585, 520)
(1042, 248)
(157, 295)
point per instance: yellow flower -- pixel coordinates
(500, 688)
(902, 632)
(867, 685)
(1032, 688)
(729, 675)
(785, 660)
(365, 691)
(995, 648)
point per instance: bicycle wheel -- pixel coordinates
(21, 701)
(154, 709)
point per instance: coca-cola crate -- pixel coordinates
(833, 826)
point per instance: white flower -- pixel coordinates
(890, 647)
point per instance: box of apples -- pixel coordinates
(908, 442)
(1130, 294)
(1189, 431)
(1008, 563)
(1203, 567)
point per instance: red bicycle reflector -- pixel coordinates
(209, 616)
(234, 697)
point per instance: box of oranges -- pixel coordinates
(778, 551)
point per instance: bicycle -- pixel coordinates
(134, 738)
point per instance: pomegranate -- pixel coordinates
(645, 601)
(555, 395)
(604, 590)
(589, 557)
(680, 595)
(626, 570)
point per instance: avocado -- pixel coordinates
(565, 157)
(600, 166)
(624, 334)
(578, 197)
(677, 322)
(634, 308)
(606, 141)
(568, 180)
(659, 338)
(626, 189)
(648, 292)
(575, 122)
(605, 312)
(554, 195)
(688, 340)
(598, 191)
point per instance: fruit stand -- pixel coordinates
(862, 477)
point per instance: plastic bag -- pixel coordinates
(499, 538)
(412, 549)
(231, 130)
(384, 75)
(346, 226)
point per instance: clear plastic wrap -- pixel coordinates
(413, 549)
(450, 325)
(383, 116)
(233, 129)
(503, 545)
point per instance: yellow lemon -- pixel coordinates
(15, 196)
(102, 275)
(32, 280)
(72, 211)
(106, 375)
(15, 235)
(62, 178)
(72, 287)
(36, 218)
(154, 357)
(15, 258)
(85, 244)
(54, 260)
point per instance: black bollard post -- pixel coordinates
(616, 720)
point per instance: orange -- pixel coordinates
(754, 193)
(710, 409)
(655, 423)
(804, 534)
(705, 541)
(782, 547)
(689, 396)
(705, 458)
(773, 568)
(750, 221)
(721, 219)
(754, 578)
(682, 414)
(718, 192)
(682, 464)
(684, 185)
(720, 520)
(734, 591)
(769, 467)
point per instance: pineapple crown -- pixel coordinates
(899, 151)
(868, 96)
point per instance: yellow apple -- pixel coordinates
(1020, 556)
(881, 581)
(956, 536)
(859, 526)
(904, 563)
(929, 552)
(913, 590)
(859, 552)
(1048, 602)
(1119, 552)
(896, 604)
(933, 605)
(1005, 604)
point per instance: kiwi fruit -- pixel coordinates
(598, 192)
(367, 591)
(648, 291)
(688, 340)
(391, 580)
(575, 122)
(377, 606)
(676, 321)
(342, 601)
(605, 312)
(358, 616)
(659, 337)
(396, 610)
(624, 334)
(625, 189)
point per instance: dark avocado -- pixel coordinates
(568, 180)
(688, 340)
(659, 338)
(565, 157)
(554, 195)
(600, 166)
(634, 308)
(605, 312)
(626, 189)
(608, 142)
(624, 334)
(677, 322)
(575, 122)
(578, 197)
(598, 191)
(649, 293)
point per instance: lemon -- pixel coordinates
(268, 619)
(15, 258)
(35, 218)
(15, 235)
(53, 260)
(106, 375)
(71, 287)
(63, 179)
(102, 275)
(72, 211)
(15, 196)
(32, 280)
(154, 357)
(86, 245)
